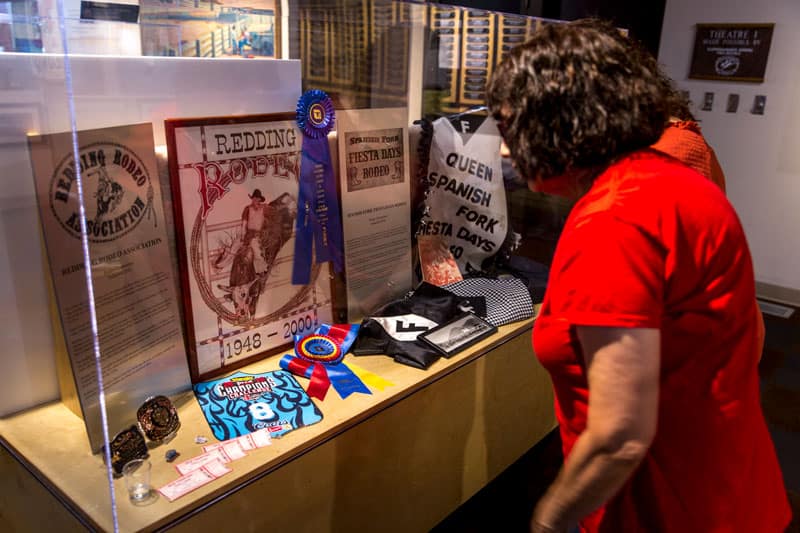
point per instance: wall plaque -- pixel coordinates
(138, 321)
(736, 52)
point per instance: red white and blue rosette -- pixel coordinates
(319, 356)
(319, 349)
(319, 224)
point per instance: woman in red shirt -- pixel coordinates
(648, 327)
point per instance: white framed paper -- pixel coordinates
(376, 206)
(235, 187)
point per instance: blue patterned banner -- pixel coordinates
(242, 403)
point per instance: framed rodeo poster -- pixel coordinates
(234, 184)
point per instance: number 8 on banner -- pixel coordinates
(261, 411)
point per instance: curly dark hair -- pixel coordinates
(577, 96)
(678, 103)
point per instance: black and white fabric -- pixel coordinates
(507, 300)
(466, 198)
(393, 330)
(532, 273)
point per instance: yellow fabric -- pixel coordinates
(370, 379)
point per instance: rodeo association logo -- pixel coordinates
(116, 187)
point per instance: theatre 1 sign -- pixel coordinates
(736, 52)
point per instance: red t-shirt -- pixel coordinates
(653, 244)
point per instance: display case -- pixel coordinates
(225, 229)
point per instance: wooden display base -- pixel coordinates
(400, 459)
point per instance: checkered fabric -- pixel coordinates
(507, 300)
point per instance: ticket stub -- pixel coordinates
(247, 442)
(217, 454)
(216, 468)
(261, 438)
(233, 449)
(193, 480)
(214, 446)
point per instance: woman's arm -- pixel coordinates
(622, 368)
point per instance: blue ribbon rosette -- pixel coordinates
(318, 220)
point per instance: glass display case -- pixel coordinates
(219, 221)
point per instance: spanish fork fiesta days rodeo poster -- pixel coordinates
(235, 187)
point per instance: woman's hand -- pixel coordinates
(537, 527)
(540, 525)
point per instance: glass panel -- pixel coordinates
(397, 73)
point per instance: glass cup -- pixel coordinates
(137, 480)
